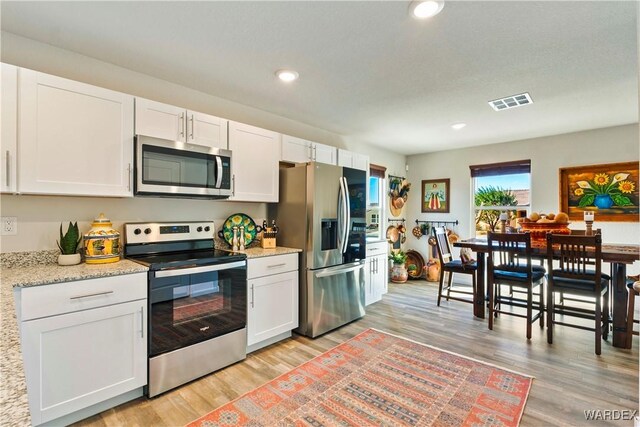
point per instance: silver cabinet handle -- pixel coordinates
(315, 153)
(7, 167)
(142, 322)
(92, 295)
(233, 184)
(129, 173)
(252, 296)
(182, 125)
(277, 265)
(191, 133)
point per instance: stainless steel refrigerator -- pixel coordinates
(322, 210)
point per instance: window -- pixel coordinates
(375, 199)
(500, 188)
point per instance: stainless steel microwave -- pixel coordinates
(176, 169)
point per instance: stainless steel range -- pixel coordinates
(197, 301)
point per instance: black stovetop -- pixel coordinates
(161, 261)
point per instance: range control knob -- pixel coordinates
(207, 228)
(147, 231)
(199, 229)
(137, 231)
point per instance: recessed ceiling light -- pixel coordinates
(458, 126)
(287, 75)
(426, 9)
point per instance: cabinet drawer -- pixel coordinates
(377, 248)
(268, 265)
(59, 298)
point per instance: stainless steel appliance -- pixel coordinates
(197, 301)
(322, 209)
(177, 169)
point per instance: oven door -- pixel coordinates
(174, 168)
(190, 305)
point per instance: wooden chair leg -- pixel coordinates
(541, 306)
(491, 306)
(605, 314)
(442, 272)
(630, 313)
(598, 326)
(550, 308)
(529, 311)
(449, 284)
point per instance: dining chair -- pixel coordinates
(509, 264)
(578, 273)
(634, 290)
(449, 266)
(579, 233)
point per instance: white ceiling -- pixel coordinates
(368, 70)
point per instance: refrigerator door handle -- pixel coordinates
(340, 215)
(346, 216)
(333, 271)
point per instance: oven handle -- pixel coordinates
(204, 269)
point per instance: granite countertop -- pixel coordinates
(258, 252)
(23, 269)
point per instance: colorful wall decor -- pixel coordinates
(435, 195)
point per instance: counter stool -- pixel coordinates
(634, 290)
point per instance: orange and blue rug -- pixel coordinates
(380, 379)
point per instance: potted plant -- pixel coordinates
(399, 273)
(68, 244)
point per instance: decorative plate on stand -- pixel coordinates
(238, 219)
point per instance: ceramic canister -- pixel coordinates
(102, 242)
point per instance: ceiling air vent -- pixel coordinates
(511, 101)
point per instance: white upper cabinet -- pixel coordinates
(74, 138)
(353, 160)
(9, 128)
(178, 124)
(298, 150)
(254, 165)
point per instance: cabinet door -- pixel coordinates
(345, 158)
(379, 279)
(79, 359)
(325, 154)
(360, 161)
(9, 138)
(207, 130)
(75, 139)
(254, 164)
(295, 150)
(272, 306)
(368, 280)
(160, 120)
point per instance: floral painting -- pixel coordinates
(610, 191)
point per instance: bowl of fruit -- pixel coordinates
(540, 224)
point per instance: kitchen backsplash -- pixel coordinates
(39, 217)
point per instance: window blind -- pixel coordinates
(504, 168)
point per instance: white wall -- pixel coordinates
(547, 154)
(39, 217)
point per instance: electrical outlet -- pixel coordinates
(9, 226)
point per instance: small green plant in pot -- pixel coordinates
(399, 273)
(68, 245)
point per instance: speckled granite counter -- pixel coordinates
(23, 269)
(258, 252)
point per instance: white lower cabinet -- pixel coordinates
(83, 358)
(272, 299)
(376, 272)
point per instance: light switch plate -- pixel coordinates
(9, 226)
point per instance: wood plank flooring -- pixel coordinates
(569, 377)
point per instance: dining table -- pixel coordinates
(618, 255)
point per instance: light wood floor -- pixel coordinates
(569, 377)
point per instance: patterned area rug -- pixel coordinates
(380, 379)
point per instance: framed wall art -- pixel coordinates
(435, 195)
(609, 191)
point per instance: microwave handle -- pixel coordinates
(219, 174)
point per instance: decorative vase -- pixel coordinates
(69, 259)
(102, 242)
(603, 201)
(399, 273)
(433, 270)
